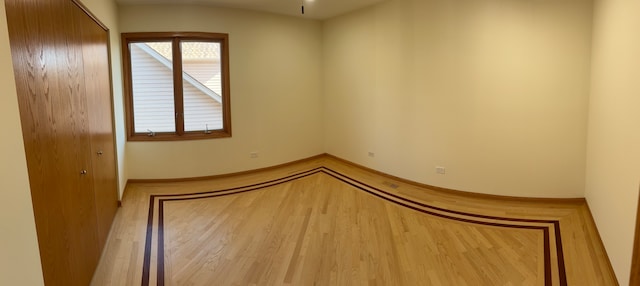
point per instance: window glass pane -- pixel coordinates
(152, 82)
(202, 85)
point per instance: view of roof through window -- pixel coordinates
(152, 73)
(194, 53)
(190, 50)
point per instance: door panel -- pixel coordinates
(98, 94)
(33, 54)
(80, 202)
(46, 39)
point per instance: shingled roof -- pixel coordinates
(190, 50)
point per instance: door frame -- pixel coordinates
(635, 260)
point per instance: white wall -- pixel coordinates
(496, 91)
(613, 153)
(275, 66)
(19, 255)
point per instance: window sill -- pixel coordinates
(198, 135)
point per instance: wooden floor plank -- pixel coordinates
(326, 222)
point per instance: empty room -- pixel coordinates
(319, 142)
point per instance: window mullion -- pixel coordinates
(177, 86)
(155, 73)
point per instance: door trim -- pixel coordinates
(635, 260)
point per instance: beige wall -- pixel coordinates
(275, 66)
(496, 91)
(19, 256)
(613, 153)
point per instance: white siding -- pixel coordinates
(200, 110)
(205, 71)
(153, 106)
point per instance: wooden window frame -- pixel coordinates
(176, 38)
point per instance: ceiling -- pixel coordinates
(314, 9)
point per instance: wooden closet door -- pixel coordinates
(48, 65)
(98, 93)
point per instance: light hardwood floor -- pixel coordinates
(324, 221)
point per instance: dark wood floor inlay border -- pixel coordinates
(546, 226)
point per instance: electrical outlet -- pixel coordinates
(253, 154)
(440, 170)
(371, 154)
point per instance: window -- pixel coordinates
(176, 86)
